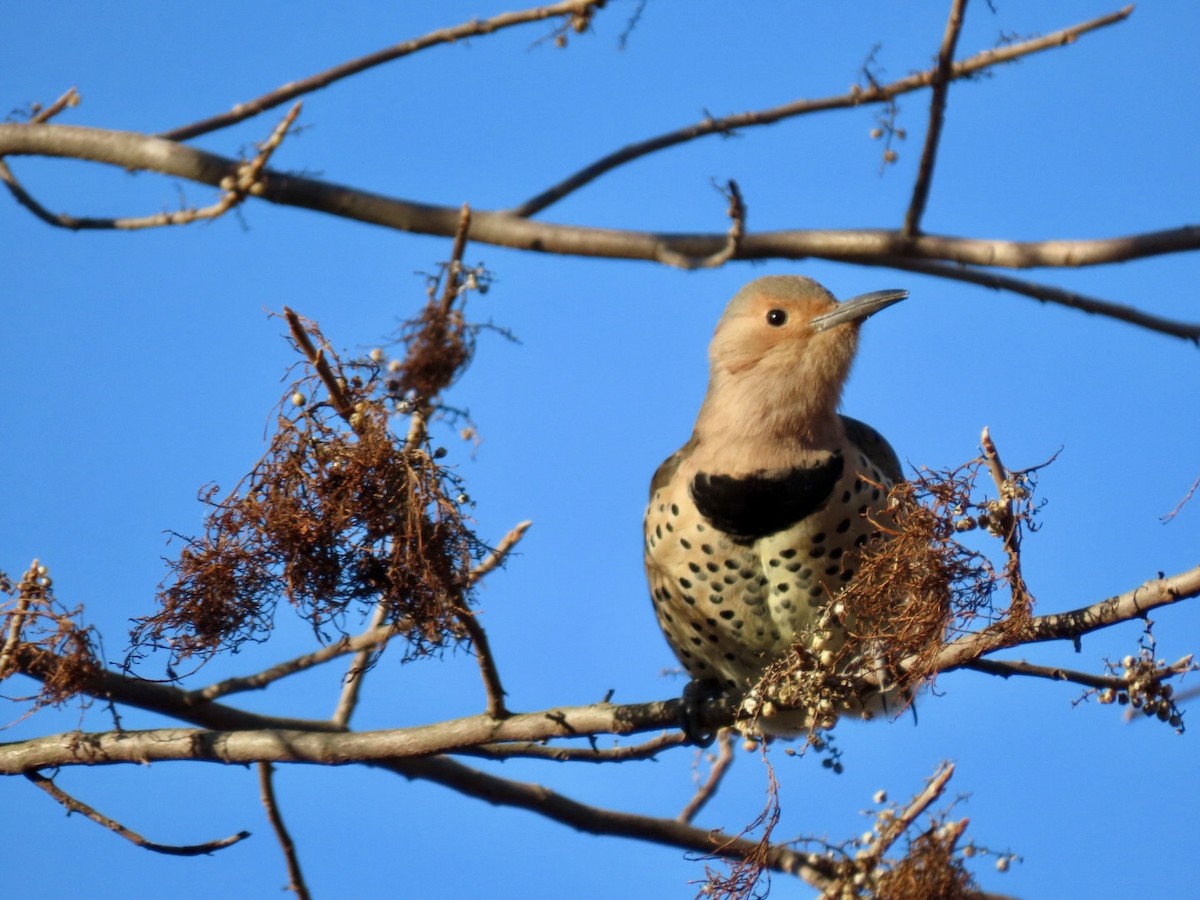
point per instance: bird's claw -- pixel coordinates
(697, 695)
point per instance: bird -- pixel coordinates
(758, 521)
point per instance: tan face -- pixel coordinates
(766, 331)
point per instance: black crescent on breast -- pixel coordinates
(750, 507)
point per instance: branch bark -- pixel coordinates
(130, 150)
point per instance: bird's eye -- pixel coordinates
(776, 317)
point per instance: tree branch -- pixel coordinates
(858, 96)
(1006, 668)
(325, 747)
(558, 753)
(76, 806)
(1042, 292)
(498, 791)
(136, 151)
(1072, 625)
(266, 788)
(312, 83)
(937, 115)
(708, 790)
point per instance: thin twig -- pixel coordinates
(708, 790)
(352, 682)
(937, 116)
(1178, 506)
(733, 239)
(1010, 524)
(312, 83)
(811, 867)
(366, 641)
(70, 98)
(497, 557)
(76, 806)
(486, 661)
(247, 180)
(1007, 668)
(316, 358)
(1041, 292)
(450, 286)
(857, 97)
(16, 621)
(900, 823)
(533, 750)
(266, 788)
(1071, 625)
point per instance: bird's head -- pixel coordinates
(781, 354)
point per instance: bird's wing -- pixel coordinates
(666, 471)
(875, 446)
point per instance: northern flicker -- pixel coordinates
(757, 522)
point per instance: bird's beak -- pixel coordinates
(857, 308)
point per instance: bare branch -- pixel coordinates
(1072, 625)
(76, 806)
(733, 240)
(597, 820)
(859, 96)
(329, 747)
(236, 187)
(69, 98)
(1169, 516)
(708, 790)
(136, 151)
(352, 681)
(646, 750)
(316, 359)
(479, 639)
(266, 789)
(1044, 293)
(312, 83)
(496, 558)
(367, 641)
(1010, 525)
(937, 115)
(900, 823)
(1006, 668)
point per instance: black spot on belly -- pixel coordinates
(754, 506)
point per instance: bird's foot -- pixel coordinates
(694, 714)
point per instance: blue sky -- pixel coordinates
(139, 367)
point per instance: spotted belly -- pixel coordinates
(730, 606)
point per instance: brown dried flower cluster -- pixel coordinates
(916, 587)
(43, 639)
(341, 513)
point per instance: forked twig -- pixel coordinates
(854, 98)
(248, 180)
(302, 86)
